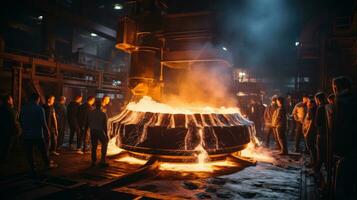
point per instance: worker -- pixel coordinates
(309, 131)
(61, 113)
(52, 125)
(35, 131)
(298, 114)
(291, 122)
(344, 139)
(321, 133)
(268, 129)
(279, 124)
(83, 111)
(72, 114)
(9, 127)
(255, 113)
(97, 123)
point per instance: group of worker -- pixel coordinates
(327, 124)
(43, 127)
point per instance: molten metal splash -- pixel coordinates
(113, 149)
(257, 153)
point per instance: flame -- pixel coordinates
(257, 153)
(147, 104)
(113, 149)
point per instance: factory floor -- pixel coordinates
(284, 178)
(280, 177)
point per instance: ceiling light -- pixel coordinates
(93, 35)
(118, 6)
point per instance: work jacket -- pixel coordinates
(279, 118)
(33, 122)
(72, 113)
(299, 112)
(344, 125)
(268, 114)
(97, 120)
(309, 128)
(83, 112)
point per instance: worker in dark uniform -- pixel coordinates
(330, 110)
(61, 112)
(344, 137)
(268, 129)
(51, 120)
(321, 132)
(35, 131)
(255, 114)
(83, 111)
(9, 126)
(279, 124)
(97, 123)
(72, 114)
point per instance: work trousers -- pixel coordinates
(99, 136)
(310, 141)
(269, 131)
(29, 149)
(281, 136)
(61, 133)
(298, 135)
(84, 135)
(74, 130)
(345, 185)
(290, 128)
(53, 140)
(321, 152)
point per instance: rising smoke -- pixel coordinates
(261, 34)
(202, 84)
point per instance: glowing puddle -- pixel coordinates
(182, 167)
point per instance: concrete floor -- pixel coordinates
(279, 177)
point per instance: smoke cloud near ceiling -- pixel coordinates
(261, 34)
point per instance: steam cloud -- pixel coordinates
(204, 85)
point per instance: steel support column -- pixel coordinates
(16, 86)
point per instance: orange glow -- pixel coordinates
(257, 153)
(195, 167)
(113, 149)
(131, 160)
(181, 167)
(147, 104)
